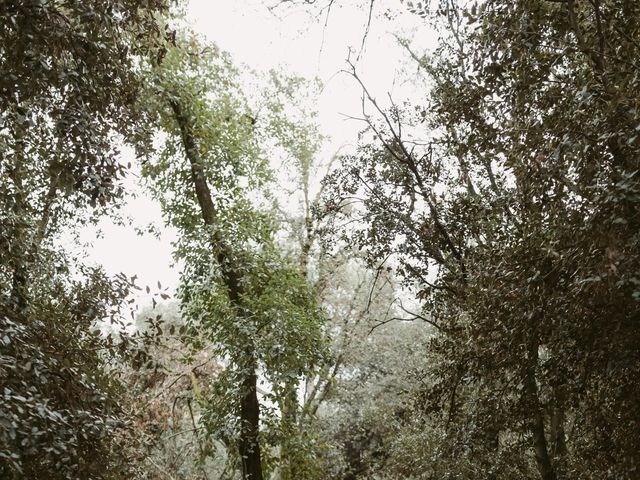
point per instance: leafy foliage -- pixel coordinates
(517, 226)
(505, 206)
(210, 177)
(68, 89)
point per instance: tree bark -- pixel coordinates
(558, 440)
(536, 419)
(249, 445)
(250, 417)
(558, 437)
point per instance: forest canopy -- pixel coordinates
(452, 294)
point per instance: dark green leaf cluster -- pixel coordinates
(68, 87)
(516, 223)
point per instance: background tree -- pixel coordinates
(349, 405)
(169, 394)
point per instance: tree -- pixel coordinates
(210, 176)
(515, 219)
(349, 405)
(169, 393)
(67, 90)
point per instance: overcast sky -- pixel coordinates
(295, 42)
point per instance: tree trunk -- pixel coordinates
(249, 444)
(558, 439)
(536, 420)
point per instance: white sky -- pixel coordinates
(259, 39)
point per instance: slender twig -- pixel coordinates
(366, 29)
